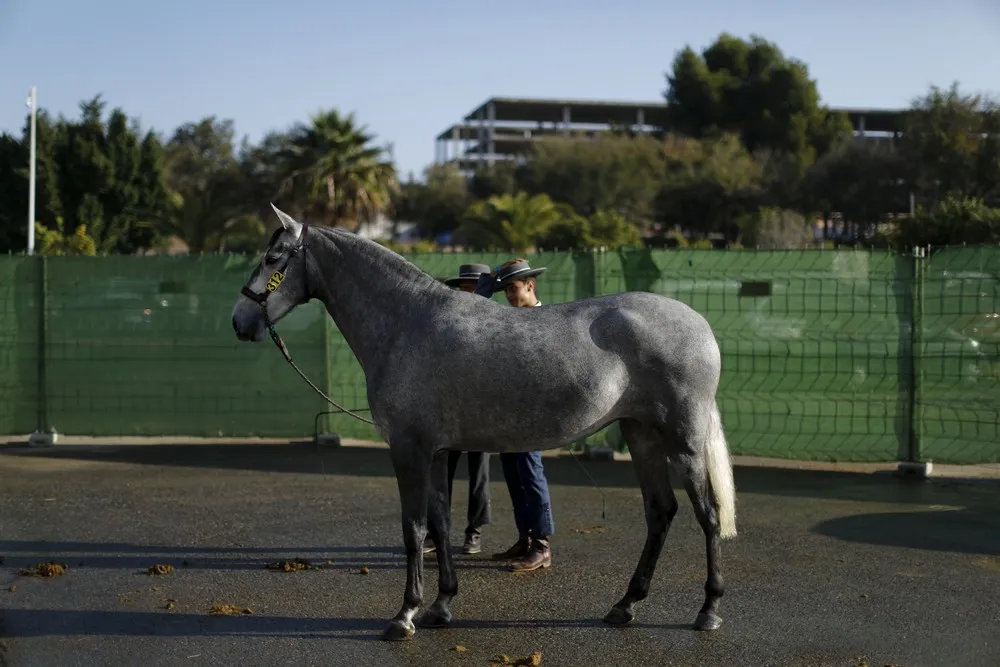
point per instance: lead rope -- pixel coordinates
(576, 458)
(288, 357)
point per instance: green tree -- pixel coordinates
(615, 173)
(568, 233)
(198, 151)
(511, 222)
(436, 205)
(212, 206)
(501, 179)
(14, 155)
(260, 165)
(750, 88)
(777, 229)
(57, 241)
(947, 221)
(951, 141)
(13, 195)
(609, 229)
(710, 185)
(604, 229)
(863, 182)
(91, 174)
(213, 217)
(332, 173)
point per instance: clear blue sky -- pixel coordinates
(410, 69)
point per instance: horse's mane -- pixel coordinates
(389, 263)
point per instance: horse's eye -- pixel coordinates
(271, 259)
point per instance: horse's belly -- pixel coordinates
(555, 415)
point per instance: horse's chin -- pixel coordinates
(258, 334)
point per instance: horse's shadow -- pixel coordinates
(28, 623)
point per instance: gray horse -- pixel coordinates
(647, 361)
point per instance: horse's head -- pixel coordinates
(278, 283)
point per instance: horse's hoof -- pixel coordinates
(619, 616)
(707, 621)
(435, 618)
(399, 631)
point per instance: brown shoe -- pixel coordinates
(538, 556)
(519, 550)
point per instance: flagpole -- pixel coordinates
(32, 102)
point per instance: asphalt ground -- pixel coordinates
(830, 568)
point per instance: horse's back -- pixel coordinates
(656, 336)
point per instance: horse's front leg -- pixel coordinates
(412, 463)
(439, 515)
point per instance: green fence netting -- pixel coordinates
(840, 355)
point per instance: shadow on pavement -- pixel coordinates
(16, 623)
(307, 458)
(970, 531)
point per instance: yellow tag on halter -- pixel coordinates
(274, 281)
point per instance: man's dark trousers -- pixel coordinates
(479, 487)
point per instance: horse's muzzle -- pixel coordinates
(249, 327)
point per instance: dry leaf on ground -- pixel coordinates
(290, 565)
(228, 610)
(160, 569)
(44, 570)
(459, 649)
(364, 570)
(532, 660)
(588, 531)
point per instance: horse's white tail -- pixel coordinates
(720, 475)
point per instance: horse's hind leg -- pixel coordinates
(652, 467)
(700, 492)
(438, 615)
(708, 480)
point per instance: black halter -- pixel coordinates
(260, 298)
(279, 273)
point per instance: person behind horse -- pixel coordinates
(479, 462)
(525, 476)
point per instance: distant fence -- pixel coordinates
(831, 355)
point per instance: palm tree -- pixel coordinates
(331, 173)
(512, 222)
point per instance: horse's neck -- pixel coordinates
(371, 295)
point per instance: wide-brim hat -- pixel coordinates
(467, 272)
(516, 271)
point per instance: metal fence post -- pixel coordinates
(44, 435)
(913, 465)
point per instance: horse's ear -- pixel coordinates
(288, 222)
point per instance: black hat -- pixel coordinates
(516, 271)
(467, 272)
